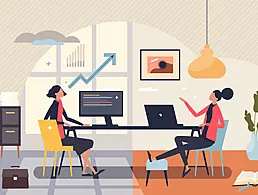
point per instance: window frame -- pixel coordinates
(58, 74)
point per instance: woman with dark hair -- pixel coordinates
(56, 112)
(209, 127)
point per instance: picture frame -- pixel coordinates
(160, 64)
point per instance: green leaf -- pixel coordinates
(248, 119)
(255, 107)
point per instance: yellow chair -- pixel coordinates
(52, 142)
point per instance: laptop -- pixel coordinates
(161, 116)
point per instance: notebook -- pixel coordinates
(245, 177)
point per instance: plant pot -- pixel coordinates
(252, 148)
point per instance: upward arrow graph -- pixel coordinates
(111, 58)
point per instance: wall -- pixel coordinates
(184, 20)
(195, 91)
(241, 76)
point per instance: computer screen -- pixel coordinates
(101, 103)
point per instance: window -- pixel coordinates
(75, 59)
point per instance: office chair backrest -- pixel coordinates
(50, 134)
(220, 137)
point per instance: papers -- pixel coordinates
(9, 98)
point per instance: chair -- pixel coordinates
(217, 146)
(52, 142)
(157, 165)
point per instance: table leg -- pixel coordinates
(205, 161)
(1, 152)
(80, 158)
(61, 162)
(18, 151)
(187, 154)
(192, 134)
(74, 133)
(68, 132)
(204, 157)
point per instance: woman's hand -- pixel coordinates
(86, 125)
(202, 125)
(67, 124)
(182, 99)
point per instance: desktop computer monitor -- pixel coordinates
(101, 103)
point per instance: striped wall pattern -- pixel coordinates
(233, 26)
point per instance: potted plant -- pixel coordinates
(252, 148)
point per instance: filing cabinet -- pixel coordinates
(10, 127)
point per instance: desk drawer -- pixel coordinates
(10, 116)
(10, 135)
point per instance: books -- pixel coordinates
(245, 177)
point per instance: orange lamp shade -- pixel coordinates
(207, 66)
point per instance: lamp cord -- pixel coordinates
(207, 22)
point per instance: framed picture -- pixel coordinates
(159, 64)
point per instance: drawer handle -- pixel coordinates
(9, 131)
(9, 112)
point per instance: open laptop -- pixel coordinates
(161, 116)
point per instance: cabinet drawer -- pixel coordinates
(10, 116)
(10, 135)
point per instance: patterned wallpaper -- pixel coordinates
(233, 26)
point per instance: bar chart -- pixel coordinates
(77, 57)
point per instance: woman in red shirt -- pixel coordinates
(57, 112)
(210, 125)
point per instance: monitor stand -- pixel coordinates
(108, 121)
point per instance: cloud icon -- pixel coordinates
(45, 38)
(148, 89)
(46, 42)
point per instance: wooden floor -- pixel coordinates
(234, 161)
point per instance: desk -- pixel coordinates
(133, 128)
(83, 128)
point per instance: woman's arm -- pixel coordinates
(196, 114)
(70, 119)
(49, 111)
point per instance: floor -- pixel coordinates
(235, 162)
(117, 178)
(120, 179)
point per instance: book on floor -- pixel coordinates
(246, 176)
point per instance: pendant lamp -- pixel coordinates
(207, 65)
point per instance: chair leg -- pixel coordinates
(147, 177)
(166, 177)
(61, 162)
(45, 162)
(212, 169)
(80, 159)
(55, 157)
(196, 162)
(205, 161)
(71, 164)
(222, 163)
